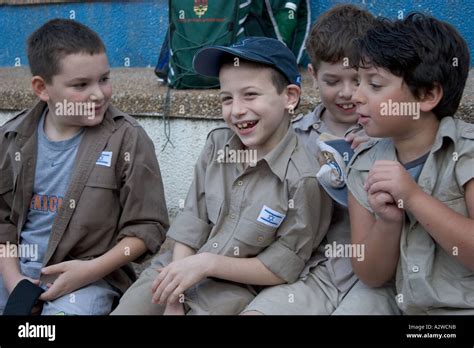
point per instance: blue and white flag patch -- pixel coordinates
(105, 159)
(270, 217)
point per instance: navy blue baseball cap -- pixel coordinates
(271, 52)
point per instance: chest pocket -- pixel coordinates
(103, 178)
(254, 235)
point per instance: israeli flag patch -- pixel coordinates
(270, 217)
(105, 159)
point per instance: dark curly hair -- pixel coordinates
(424, 51)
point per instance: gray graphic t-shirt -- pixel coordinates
(54, 166)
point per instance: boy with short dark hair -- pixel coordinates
(79, 181)
(247, 223)
(412, 193)
(328, 284)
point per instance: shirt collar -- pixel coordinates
(446, 130)
(312, 120)
(279, 157)
(386, 149)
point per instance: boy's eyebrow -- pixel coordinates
(241, 89)
(374, 73)
(330, 75)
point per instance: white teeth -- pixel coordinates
(347, 106)
(245, 125)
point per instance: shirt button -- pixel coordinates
(240, 182)
(316, 126)
(215, 245)
(260, 239)
(415, 269)
(233, 216)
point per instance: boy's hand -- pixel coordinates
(355, 139)
(383, 204)
(391, 177)
(179, 276)
(72, 276)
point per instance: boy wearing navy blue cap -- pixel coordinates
(254, 212)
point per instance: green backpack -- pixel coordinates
(195, 24)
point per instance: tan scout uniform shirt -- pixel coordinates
(309, 128)
(227, 207)
(429, 279)
(102, 205)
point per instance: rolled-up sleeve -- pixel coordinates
(191, 227)
(464, 170)
(301, 232)
(144, 213)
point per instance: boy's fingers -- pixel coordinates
(175, 295)
(157, 281)
(49, 294)
(157, 293)
(167, 292)
(383, 198)
(357, 140)
(379, 186)
(53, 269)
(349, 137)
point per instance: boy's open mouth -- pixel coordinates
(246, 125)
(349, 107)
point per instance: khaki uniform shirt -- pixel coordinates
(429, 279)
(309, 128)
(103, 204)
(274, 210)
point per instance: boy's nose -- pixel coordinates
(357, 96)
(238, 109)
(346, 91)
(97, 94)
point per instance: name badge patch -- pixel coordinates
(270, 217)
(105, 159)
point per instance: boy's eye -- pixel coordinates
(225, 99)
(105, 79)
(80, 85)
(375, 86)
(332, 82)
(251, 94)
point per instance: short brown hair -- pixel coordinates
(56, 39)
(334, 32)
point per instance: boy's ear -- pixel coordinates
(429, 99)
(293, 93)
(39, 87)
